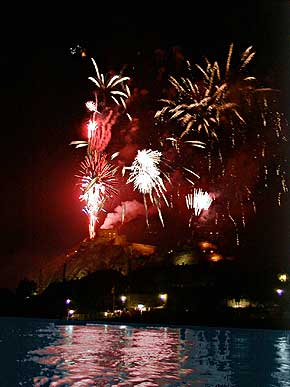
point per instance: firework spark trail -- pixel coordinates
(177, 143)
(199, 106)
(111, 92)
(271, 144)
(196, 111)
(146, 177)
(98, 183)
(99, 131)
(202, 106)
(110, 89)
(97, 175)
(224, 107)
(234, 223)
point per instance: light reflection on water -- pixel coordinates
(112, 356)
(55, 355)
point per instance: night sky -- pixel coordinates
(44, 87)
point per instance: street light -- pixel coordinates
(163, 297)
(141, 308)
(123, 300)
(280, 292)
(70, 313)
(283, 277)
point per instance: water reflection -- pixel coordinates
(126, 356)
(282, 358)
(208, 351)
(109, 356)
(101, 355)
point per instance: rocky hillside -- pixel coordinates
(108, 250)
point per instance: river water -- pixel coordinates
(51, 353)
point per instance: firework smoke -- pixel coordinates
(123, 213)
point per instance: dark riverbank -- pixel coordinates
(232, 319)
(226, 319)
(250, 318)
(219, 323)
(225, 294)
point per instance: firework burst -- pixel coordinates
(97, 175)
(146, 176)
(200, 200)
(224, 108)
(111, 91)
(220, 110)
(98, 184)
(110, 88)
(199, 105)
